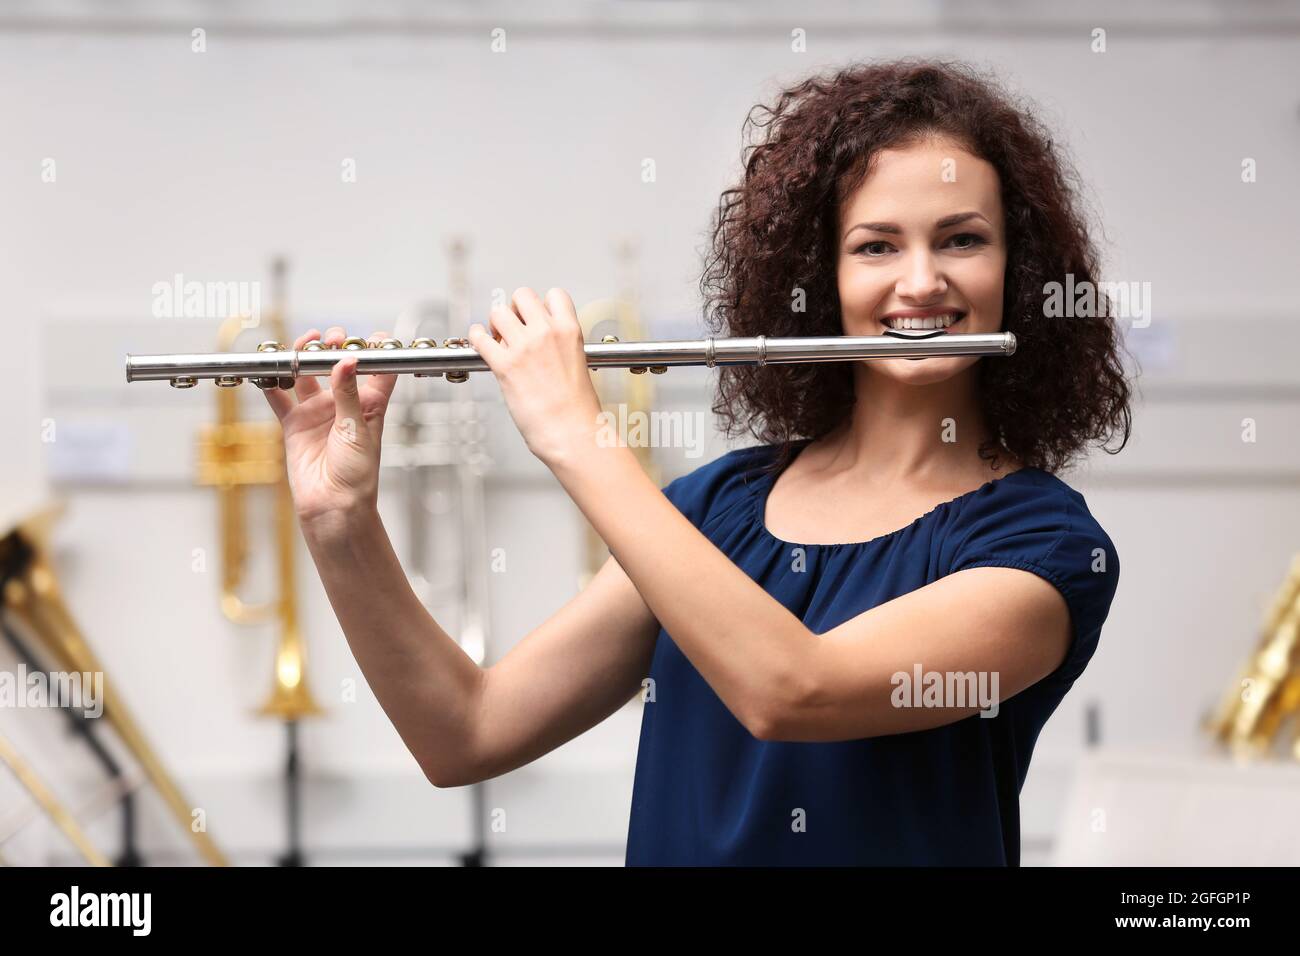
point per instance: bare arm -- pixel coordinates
(463, 723)
(460, 722)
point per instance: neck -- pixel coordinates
(927, 434)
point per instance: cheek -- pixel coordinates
(859, 286)
(982, 280)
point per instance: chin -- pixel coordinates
(917, 372)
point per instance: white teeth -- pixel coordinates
(926, 322)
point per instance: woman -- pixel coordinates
(849, 636)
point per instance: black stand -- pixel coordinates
(477, 854)
(77, 724)
(293, 799)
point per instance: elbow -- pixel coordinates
(444, 780)
(437, 776)
(448, 775)
(771, 723)
(453, 758)
(439, 782)
(762, 727)
(778, 711)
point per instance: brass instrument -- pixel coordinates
(49, 803)
(1267, 691)
(615, 320)
(234, 456)
(32, 595)
(440, 448)
(437, 441)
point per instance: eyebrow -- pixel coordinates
(893, 229)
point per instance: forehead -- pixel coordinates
(917, 184)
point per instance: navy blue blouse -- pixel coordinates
(708, 793)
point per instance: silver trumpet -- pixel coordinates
(273, 366)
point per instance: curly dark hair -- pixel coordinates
(775, 233)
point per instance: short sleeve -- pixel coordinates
(714, 487)
(682, 491)
(1046, 529)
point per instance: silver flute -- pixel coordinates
(273, 366)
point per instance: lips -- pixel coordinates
(928, 323)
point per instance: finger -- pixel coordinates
(280, 401)
(564, 315)
(334, 337)
(384, 384)
(530, 307)
(488, 348)
(305, 386)
(504, 321)
(348, 417)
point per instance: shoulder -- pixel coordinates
(1035, 521)
(719, 483)
(1029, 509)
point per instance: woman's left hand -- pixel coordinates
(537, 357)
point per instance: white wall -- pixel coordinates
(169, 161)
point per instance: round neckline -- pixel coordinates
(763, 490)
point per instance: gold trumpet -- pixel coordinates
(32, 595)
(235, 455)
(635, 391)
(1267, 690)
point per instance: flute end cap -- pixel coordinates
(1011, 343)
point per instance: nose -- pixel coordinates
(921, 280)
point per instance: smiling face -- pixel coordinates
(922, 245)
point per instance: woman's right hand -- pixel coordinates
(332, 436)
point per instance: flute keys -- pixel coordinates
(606, 340)
(355, 342)
(283, 383)
(315, 345)
(184, 381)
(424, 342)
(658, 369)
(266, 383)
(391, 344)
(228, 381)
(457, 377)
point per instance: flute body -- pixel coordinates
(272, 366)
